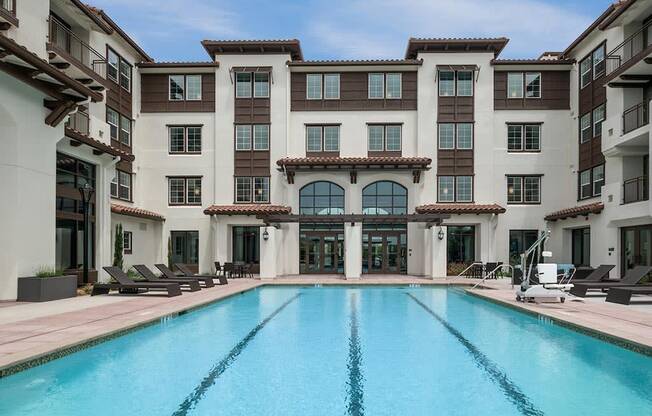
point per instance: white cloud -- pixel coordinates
(380, 28)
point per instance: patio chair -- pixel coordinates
(151, 277)
(623, 295)
(218, 268)
(188, 273)
(599, 274)
(227, 270)
(631, 278)
(246, 271)
(126, 285)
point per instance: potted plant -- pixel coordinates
(48, 283)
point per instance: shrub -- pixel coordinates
(48, 271)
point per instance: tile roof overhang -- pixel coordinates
(136, 212)
(460, 209)
(190, 64)
(596, 23)
(114, 26)
(289, 46)
(98, 146)
(416, 45)
(620, 8)
(430, 219)
(248, 209)
(357, 62)
(581, 210)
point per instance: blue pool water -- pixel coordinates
(341, 351)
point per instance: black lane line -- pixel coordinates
(193, 398)
(511, 390)
(354, 390)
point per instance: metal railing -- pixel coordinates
(8, 6)
(629, 48)
(635, 190)
(64, 39)
(493, 273)
(79, 121)
(635, 116)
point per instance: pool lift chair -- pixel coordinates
(552, 287)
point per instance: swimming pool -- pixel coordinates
(338, 351)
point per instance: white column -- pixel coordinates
(439, 256)
(268, 252)
(352, 250)
(104, 230)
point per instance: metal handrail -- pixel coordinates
(475, 263)
(79, 121)
(64, 38)
(638, 190)
(635, 116)
(493, 272)
(628, 49)
(7, 5)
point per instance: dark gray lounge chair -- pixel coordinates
(188, 273)
(127, 285)
(151, 277)
(191, 284)
(598, 274)
(631, 278)
(623, 295)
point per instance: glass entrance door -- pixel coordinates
(636, 247)
(384, 252)
(322, 252)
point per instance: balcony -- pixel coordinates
(629, 60)
(8, 14)
(635, 190)
(635, 116)
(79, 121)
(74, 56)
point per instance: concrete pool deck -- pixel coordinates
(32, 333)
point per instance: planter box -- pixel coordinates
(42, 289)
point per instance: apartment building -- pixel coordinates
(418, 165)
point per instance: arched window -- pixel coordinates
(384, 198)
(321, 198)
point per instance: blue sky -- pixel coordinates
(350, 29)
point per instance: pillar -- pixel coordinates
(352, 250)
(438, 256)
(268, 252)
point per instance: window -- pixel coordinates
(321, 198)
(127, 239)
(185, 247)
(598, 62)
(384, 198)
(384, 138)
(185, 139)
(243, 85)
(113, 120)
(176, 87)
(118, 69)
(455, 189)
(313, 86)
(523, 137)
(523, 189)
(598, 180)
(119, 126)
(121, 185)
(598, 118)
(376, 85)
(331, 138)
(331, 86)
(464, 83)
(184, 190)
(585, 184)
(533, 85)
(252, 189)
(243, 137)
(446, 83)
(519, 241)
(585, 72)
(193, 87)
(455, 136)
(125, 131)
(261, 137)
(582, 247)
(261, 84)
(591, 182)
(322, 138)
(393, 87)
(585, 128)
(314, 139)
(113, 61)
(515, 85)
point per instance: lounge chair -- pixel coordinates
(188, 273)
(598, 274)
(127, 285)
(623, 295)
(151, 277)
(631, 278)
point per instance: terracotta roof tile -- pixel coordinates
(581, 210)
(247, 209)
(538, 61)
(376, 160)
(460, 209)
(354, 62)
(96, 144)
(136, 212)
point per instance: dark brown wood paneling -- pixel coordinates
(252, 110)
(119, 99)
(591, 96)
(124, 166)
(395, 153)
(354, 94)
(155, 95)
(455, 162)
(555, 92)
(251, 163)
(455, 109)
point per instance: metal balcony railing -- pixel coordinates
(629, 48)
(64, 39)
(635, 189)
(8, 6)
(79, 121)
(635, 116)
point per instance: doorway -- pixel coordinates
(636, 247)
(384, 252)
(246, 246)
(321, 252)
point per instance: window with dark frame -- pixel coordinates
(322, 138)
(452, 83)
(184, 139)
(252, 84)
(523, 137)
(590, 182)
(127, 242)
(121, 185)
(184, 190)
(250, 189)
(523, 189)
(119, 126)
(185, 87)
(118, 69)
(458, 188)
(593, 66)
(384, 137)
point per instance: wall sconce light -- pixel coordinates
(440, 234)
(265, 235)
